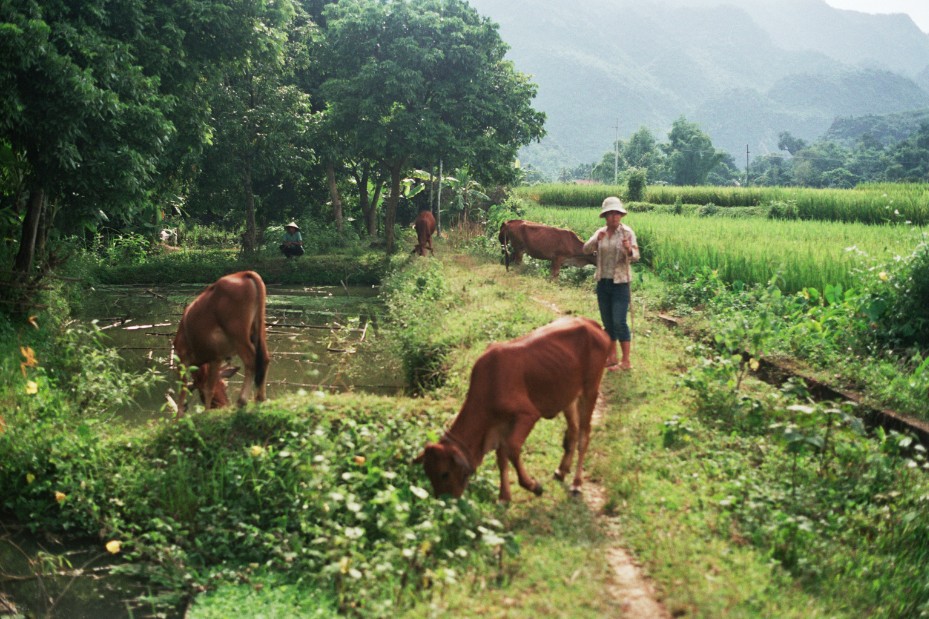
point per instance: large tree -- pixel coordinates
(690, 153)
(410, 82)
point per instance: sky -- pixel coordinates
(918, 10)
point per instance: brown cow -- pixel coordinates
(561, 246)
(227, 318)
(425, 228)
(555, 368)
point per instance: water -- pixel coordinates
(320, 338)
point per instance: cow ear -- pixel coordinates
(422, 454)
(228, 371)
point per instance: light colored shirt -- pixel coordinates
(612, 259)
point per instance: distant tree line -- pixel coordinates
(242, 112)
(688, 157)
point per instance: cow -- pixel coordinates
(425, 228)
(561, 246)
(555, 368)
(227, 318)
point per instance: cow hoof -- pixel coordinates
(538, 489)
(558, 475)
(575, 491)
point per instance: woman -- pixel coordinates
(293, 241)
(616, 249)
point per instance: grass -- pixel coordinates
(279, 493)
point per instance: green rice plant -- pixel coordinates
(802, 254)
(869, 204)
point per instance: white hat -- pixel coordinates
(612, 204)
(292, 224)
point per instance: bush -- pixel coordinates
(635, 182)
(783, 209)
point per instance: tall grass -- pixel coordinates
(803, 254)
(870, 204)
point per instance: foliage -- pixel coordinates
(392, 67)
(817, 483)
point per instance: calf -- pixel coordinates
(425, 228)
(561, 246)
(227, 318)
(555, 368)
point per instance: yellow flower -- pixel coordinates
(256, 450)
(30, 360)
(60, 496)
(30, 478)
(32, 387)
(754, 365)
(883, 276)
(114, 546)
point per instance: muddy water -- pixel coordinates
(319, 338)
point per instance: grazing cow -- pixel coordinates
(555, 368)
(227, 318)
(561, 246)
(425, 228)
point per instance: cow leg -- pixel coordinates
(556, 266)
(247, 353)
(586, 409)
(209, 382)
(569, 444)
(514, 445)
(504, 465)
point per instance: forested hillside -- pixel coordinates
(745, 71)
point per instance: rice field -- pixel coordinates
(876, 204)
(804, 254)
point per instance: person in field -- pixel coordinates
(293, 241)
(616, 249)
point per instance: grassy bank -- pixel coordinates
(740, 500)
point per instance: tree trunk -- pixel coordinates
(391, 214)
(248, 243)
(372, 216)
(25, 258)
(334, 194)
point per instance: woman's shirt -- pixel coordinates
(612, 260)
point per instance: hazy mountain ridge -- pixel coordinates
(745, 70)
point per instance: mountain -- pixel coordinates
(744, 70)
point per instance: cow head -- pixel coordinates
(446, 467)
(219, 397)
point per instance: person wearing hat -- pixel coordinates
(616, 250)
(293, 241)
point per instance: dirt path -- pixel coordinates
(631, 590)
(628, 587)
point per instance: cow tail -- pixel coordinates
(259, 334)
(504, 244)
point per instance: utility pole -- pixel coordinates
(438, 207)
(616, 155)
(746, 165)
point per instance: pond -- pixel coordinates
(319, 338)
(315, 337)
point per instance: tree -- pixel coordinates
(786, 141)
(418, 80)
(81, 114)
(690, 153)
(261, 118)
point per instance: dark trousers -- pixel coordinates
(613, 300)
(292, 250)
